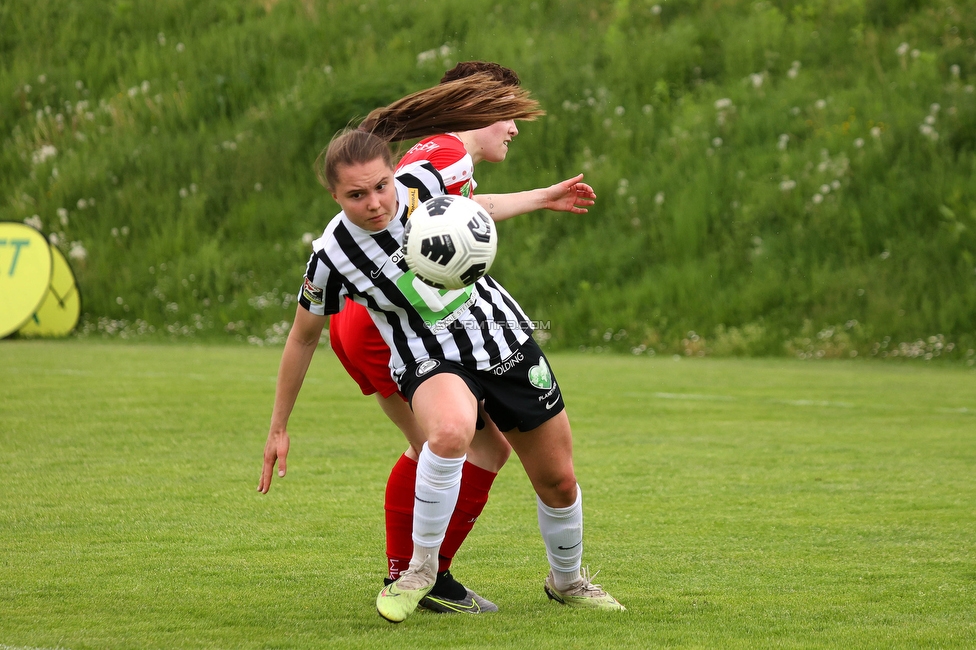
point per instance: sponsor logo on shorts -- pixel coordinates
(549, 393)
(549, 405)
(427, 366)
(312, 293)
(508, 363)
(539, 376)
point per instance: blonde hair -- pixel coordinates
(466, 104)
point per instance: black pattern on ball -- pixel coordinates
(439, 205)
(480, 227)
(474, 272)
(438, 249)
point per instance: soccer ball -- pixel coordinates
(449, 242)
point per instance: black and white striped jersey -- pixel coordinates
(478, 326)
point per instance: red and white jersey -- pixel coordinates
(447, 154)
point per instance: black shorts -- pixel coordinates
(521, 391)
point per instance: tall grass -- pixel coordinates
(768, 172)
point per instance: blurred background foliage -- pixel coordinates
(791, 177)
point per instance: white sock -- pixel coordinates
(435, 495)
(562, 531)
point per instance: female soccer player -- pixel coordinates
(488, 354)
(365, 356)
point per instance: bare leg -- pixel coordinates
(546, 453)
(489, 448)
(447, 412)
(400, 414)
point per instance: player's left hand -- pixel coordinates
(572, 195)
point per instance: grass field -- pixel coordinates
(729, 503)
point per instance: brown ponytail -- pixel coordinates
(466, 104)
(469, 103)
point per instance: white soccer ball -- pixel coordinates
(450, 242)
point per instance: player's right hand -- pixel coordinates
(276, 449)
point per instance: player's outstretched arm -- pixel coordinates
(301, 343)
(571, 195)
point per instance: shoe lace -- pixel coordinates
(587, 585)
(417, 577)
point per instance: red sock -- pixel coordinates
(475, 483)
(399, 515)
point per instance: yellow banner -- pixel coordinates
(25, 274)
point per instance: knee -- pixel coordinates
(561, 492)
(450, 438)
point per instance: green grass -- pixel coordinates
(729, 503)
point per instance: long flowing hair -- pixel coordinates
(465, 104)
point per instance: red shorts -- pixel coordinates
(362, 351)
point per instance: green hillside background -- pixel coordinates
(773, 177)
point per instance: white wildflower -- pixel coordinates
(45, 152)
(77, 251)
